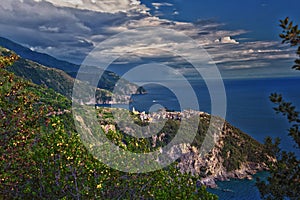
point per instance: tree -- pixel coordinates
(284, 179)
(291, 35)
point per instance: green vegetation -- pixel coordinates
(49, 77)
(284, 179)
(291, 35)
(42, 157)
(62, 81)
(240, 148)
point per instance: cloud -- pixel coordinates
(69, 30)
(41, 24)
(246, 66)
(108, 6)
(175, 12)
(246, 55)
(49, 29)
(226, 40)
(158, 5)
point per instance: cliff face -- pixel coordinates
(235, 155)
(211, 167)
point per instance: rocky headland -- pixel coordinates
(235, 155)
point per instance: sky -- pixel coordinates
(258, 17)
(241, 38)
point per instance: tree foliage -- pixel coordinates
(291, 35)
(287, 109)
(284, 179)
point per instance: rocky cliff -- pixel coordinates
(234, 154)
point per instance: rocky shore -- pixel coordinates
(246, 172)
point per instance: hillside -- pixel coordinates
(42, 156)
(63, 83)
(235, 154)
(52, 78)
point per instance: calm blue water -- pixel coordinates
(248, 108)
(238, 189)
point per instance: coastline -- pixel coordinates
(212, 167)
(236, 189)
(247, 172)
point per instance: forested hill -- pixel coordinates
(63, 83)
(51, 78)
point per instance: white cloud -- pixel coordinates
(248, 65)
(226, 40)
(269, 50)
(175, 12)
(158, 5)
(49, 29)
(108, 6)
(249, 55)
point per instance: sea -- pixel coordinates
(248, 108)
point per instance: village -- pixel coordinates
(164, 114)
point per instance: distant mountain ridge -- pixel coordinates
(55, 79)
(40, 58)
(107, 81)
